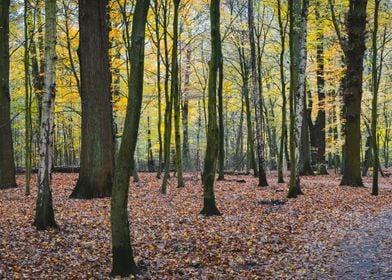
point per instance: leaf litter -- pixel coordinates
(261, 234)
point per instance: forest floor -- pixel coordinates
(329, 232)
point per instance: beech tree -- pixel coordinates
(375, 87)
(7, 166)
(175, 92)
(209, 208)
(256, 98)
(123, 261)
(354, 49)
(353, 46)
(44, 213)
(282, 33)
(168, 98)
(319, 126)
(97, 158)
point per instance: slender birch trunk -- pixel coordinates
(44, 216)
(298, 20)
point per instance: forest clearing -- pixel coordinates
(260, 235)
(195, 139)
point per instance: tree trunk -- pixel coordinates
(273, 138)
(375, 86)
(387, 135)
(209, 208)
(44, 214)
(27, 18)
(159, 88)
(256, 98)
(37, 61)
(355, 49)
(199, 117)
(238, 158)
(150, 156)
(123, 262)
(175, 92)
(367, 162)
(97, 158)
(282, 31)
(7, 165)
(169, 102)
(319, 126)
(221, 145)
(248, 111)
(304, 162)
(185, 111)
(298, 20)
(69, 47)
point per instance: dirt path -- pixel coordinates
(367, 252)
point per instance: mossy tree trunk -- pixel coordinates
(175, 92)
(244, 62)
(37, 59)
(168, 99)
(352, 97)
(150, 155)
(27, 20)
(97, 150)
(123, 262)
(209, 208)
(375, 87)
(282, 32)
(256, 98)
(44, 213)
(156, 10)
(221, 144)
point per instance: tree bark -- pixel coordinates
(282, 31)
(7, 165)
(27, 18)
(354, 53)
(44, 213)
(156, 9)
(304, 162)
(150, 156)
(169, 101)
(37, 61)
(256, 98)
(221, 145)
(375, 86)
(123, 262)
(319, 126)
(249, 127)
(209, 208)
(175, 92)
(185, 111)
(298, 19)
(97, 157)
